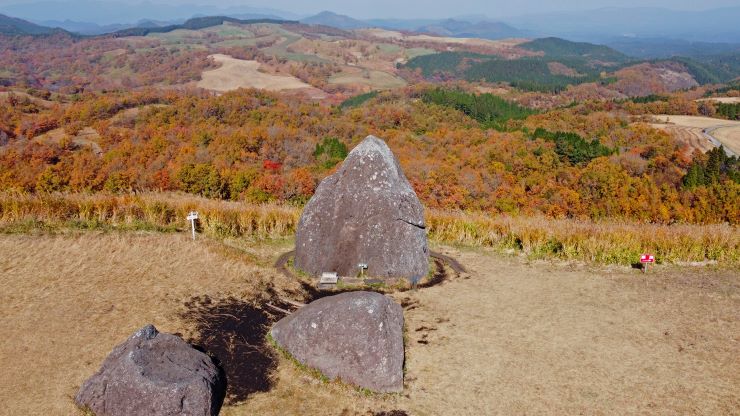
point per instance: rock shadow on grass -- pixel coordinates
(233, 332)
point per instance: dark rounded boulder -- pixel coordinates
(355, 336)
(152, 373)
(365, 213)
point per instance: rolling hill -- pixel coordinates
(561, 48)
(464, 29)
(195, 23)
(13, 26)
(339, 21)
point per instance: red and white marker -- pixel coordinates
(646, 259)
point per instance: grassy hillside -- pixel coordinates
(195, 23)
(529, 73)
(564, 63)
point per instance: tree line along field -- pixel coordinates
(586, 161)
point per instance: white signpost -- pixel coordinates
(362, 267)
(192, 216)
(646, 259)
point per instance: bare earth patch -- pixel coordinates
(239, 73)
(692, 130)
(513, 338)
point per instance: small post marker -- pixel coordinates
(192, 216)
(362, 267)
(328, 280)
(646, 259)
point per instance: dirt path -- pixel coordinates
(509, 337)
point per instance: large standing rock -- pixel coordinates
(366, 212)
(354, 336)
(154, 374)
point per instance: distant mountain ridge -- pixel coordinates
(195, 23)
(713, 25)
(15, 26)
(339, 21)
(114, 12)
(481, 29)
(87, 28)
(446, 27)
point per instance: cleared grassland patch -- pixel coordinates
(239, 73)
(391, 34)
(368, 77)
(693, 121)
(228, 29)
(691, 128)
(729, 136)
(724, 100)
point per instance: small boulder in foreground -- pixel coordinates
(354, 336)
(152, 373)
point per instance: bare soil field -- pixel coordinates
(239, 73)
(691, 130)
(511, 337)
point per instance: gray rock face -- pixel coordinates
(154, 374)
(354, 336)
(368, 213)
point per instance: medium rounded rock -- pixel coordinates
(354, 336)
(366, 213)
(152, 373)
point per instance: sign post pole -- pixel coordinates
(192, 216)
(646, 259)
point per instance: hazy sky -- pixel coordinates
(439, 8)
(491, 8)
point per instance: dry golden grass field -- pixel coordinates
(369, 78)
(689, 130)
(239, 73)
(510, 337)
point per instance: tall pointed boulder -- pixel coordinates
(365, 213)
